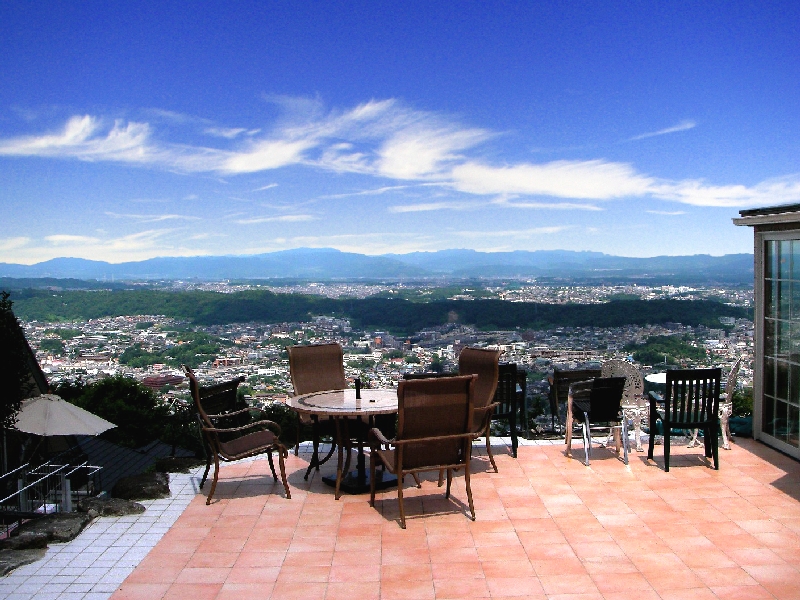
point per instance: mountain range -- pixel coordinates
(326, 264)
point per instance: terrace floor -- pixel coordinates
(547, 527)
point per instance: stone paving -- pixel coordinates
(547, 527)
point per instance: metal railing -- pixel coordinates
(44, 489)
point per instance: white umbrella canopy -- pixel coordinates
(49, 414)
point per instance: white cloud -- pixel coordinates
(266, 155)
(422, 152)
(682, 126)
(269, 186)
(592, 179)
(63, 239)
(13, 243)
(667, 213)
(769, 192)
(281, 219)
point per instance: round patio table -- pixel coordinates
(343, 406)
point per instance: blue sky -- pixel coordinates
(134, 130)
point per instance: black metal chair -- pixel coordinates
(691, 401)
(560, 381)
(595, 404)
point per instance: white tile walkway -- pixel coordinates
(94, 564)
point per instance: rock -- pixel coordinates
(25, 540)
(178, 464)
(11, 559)
(145, 486)
(58, 527)
(109, 507)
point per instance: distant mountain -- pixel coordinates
(326, 263)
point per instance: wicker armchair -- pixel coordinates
(231, 435)
(485, 364)
(316, 368)
(434, 433)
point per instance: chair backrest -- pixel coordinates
(730, 383)
(692, 395)
(634, 384)
(562, 378)
(485, 364)
(316, 368)
(506, 389)
(429, 408)
(216, 399)
(605, 399)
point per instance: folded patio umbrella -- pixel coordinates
(49, 414)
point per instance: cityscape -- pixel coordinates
(98, 348)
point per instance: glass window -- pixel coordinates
(796, 260)
(784, 260)
(782, 380)
(768, 419)
(770, 258)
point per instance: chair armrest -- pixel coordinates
(655, 400)
(436, 438)
(235, 413)
(271, 425)
(375, 435)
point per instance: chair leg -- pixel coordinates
(489, 446)
(693, 442)
(272, 465)
(625, 442)
(418, 482)
(725, 426)
(667, 436)
(441, 477)
(469, 492)
(372, 459)
(214, 481)
(283, 453)
(587, 438)
(449, 482)
(205, 473)
(297, 439)
(715, 451)
(400, 498)
(651, 444)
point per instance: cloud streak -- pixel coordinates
(682, 126)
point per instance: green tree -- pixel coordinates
(53, 346)
(136, 410)
(15, 380)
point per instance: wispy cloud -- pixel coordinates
(435, 206)
(388, 140)
(132, 247)
(667, 213)
(682, 126)
(280, 219)
(152, 218)
(269, 186)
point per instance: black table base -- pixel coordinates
(354, 483)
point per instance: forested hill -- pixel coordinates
(394, 315)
